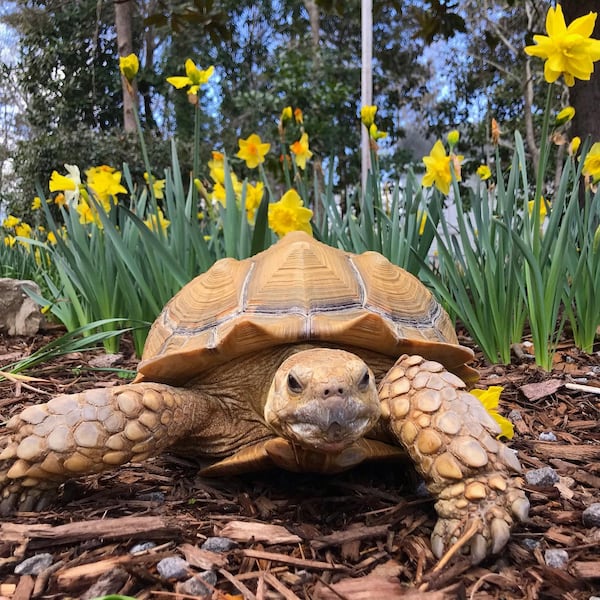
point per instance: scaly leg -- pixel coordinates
(89, 432)
(452, 440)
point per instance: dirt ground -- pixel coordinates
(361, 535)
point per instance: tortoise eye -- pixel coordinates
(365, 380)
(293, 384)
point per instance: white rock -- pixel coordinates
(19, 314)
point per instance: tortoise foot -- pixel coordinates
(478, 514)
(453, 442)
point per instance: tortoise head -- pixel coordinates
(323, 399)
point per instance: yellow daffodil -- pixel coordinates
(286, 114)
(375, 133)
(574, 145)
(157, 184)
(9, 241)
(367, 115)
(564, 116)
(129, 66)
(543, 208)
(289, 214)
(87, 214)
(484, 172)
(219, 193)
(194, 79)
(69, 185)
(569, 51)
(157, 222)
(298, 116)
(591, 164)
(301, 151)
(10, 222)
(51, 237)
(490, 399)
(254, 196)
(60, 200)
(23, 229)
(438, 168)
(216, 167)
(105, 182)
(253, 151)
(36, 203)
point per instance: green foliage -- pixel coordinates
(82, 146)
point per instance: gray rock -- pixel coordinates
(173, 567)
(556, 558)
(530, 543)
(544, 477)
(34, 565)
(141, 547)
(196, 586)
(515, 415)
(591, 515)
(547, 436)
(19, 314)
(218, 544)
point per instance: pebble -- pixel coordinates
(142, 547)
(591, 515)
(218, 544)
(556, 558)
(530, 543)
(157, 497)
(173, 567)
(544, 477)
(515, 415)
(195, 586)
(547, 436)
(34, 565)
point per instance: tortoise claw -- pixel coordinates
(500, 531)
(478, 548)
(520, 508)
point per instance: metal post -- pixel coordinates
(366, 81)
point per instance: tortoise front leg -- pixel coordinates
(452, 441)
(88, 432)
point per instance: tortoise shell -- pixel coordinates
(298, 291)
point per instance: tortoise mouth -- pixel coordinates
(329, 436)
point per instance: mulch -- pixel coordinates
(359, 535)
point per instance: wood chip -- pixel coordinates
(586, 569)
(246, 531)
(350, 535)
(573, 452)
(291, 560)
(203, 559)
(542, 389)
(129, 527)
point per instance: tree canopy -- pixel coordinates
(438, 65)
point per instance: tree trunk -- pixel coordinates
(123, 24)
(584, 96)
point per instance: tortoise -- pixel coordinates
(303, 357)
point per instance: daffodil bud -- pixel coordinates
(453, 138)
(564, 116)
(574, 145)
(129, 66)
(367, 115)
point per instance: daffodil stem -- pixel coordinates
(544, 150)
(144, 150)
(196, 159)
